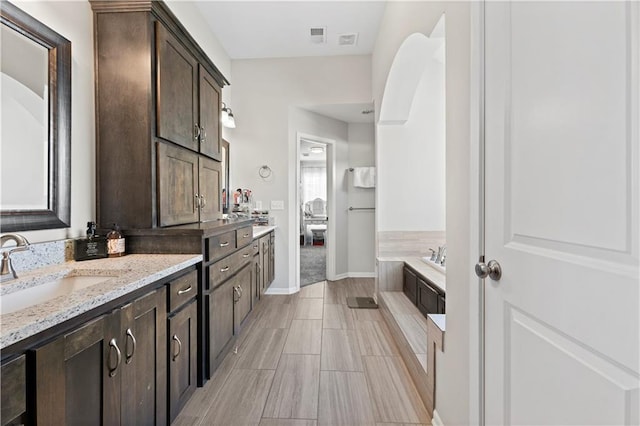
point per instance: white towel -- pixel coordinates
(364, 177)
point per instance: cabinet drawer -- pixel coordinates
(244, 236)
(182, 289)
(409, 285)
(221, 245)
(225, 268)
(13, 390)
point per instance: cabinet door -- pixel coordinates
(409, 285)
(210, 135)
(427, 298)
(442, 303)
(265, 263)
(272, 259)
(14, 392)
(78, 376)
(257, 281)
(242, 296)
(182, 358)
(177, 87)
(209, 183)
(220, 312)
(178, 185)
(143, 333)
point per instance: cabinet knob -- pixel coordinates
(197, 201)
(203, 201)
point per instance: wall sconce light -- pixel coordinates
(226, 117)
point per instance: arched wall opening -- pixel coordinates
(411, 139)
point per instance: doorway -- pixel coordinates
(313, 195)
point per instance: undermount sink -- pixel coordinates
(433, 264)
(50, 287)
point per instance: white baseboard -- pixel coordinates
(339, 277)
(436, 421)
(352, 275)
(280, 291)
(362, 274)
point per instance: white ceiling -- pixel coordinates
(280, 29)
(307, 156)
(349, 113)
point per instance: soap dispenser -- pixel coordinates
(115, 242)
(92, 247)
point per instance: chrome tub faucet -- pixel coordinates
(6, 268)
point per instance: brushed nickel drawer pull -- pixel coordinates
(245, 255)
(129, 357)
(175, 339)
(245, 236)
(226, 243)
(255, 247)
(183, 291)
(225, 269)
(114, 345)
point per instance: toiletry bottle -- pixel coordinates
(92, 247)
(115, 242)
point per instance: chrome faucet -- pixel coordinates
(442, 253)
(6, 268)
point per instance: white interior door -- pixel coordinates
(562, 325)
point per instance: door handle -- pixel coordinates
(492, 270)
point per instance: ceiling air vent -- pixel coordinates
(348, 39)
(318, 35)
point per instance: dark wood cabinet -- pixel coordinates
(111, 370)
(13, 403)
(410, 285)
(242, 284)
(178, 185)
(189, 186)
(182, 354)
(209, 181)
(155, 87)
(221, 330)
(143, 379)
(177, 91)
(210, 131)
(427, 298)
(77, 376)
(422, 293)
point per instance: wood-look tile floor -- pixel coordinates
(307, 359)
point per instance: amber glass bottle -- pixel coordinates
(115, 242)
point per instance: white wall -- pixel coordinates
(264, 91)
(456, 393)
(411, 158)
(74, 20)
(361, 228)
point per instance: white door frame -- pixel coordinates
(330, 241)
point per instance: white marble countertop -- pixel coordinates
(440, 320)
(129, 273)
(259, 231)
(436, 277)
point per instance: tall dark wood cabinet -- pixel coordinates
(157, 116)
